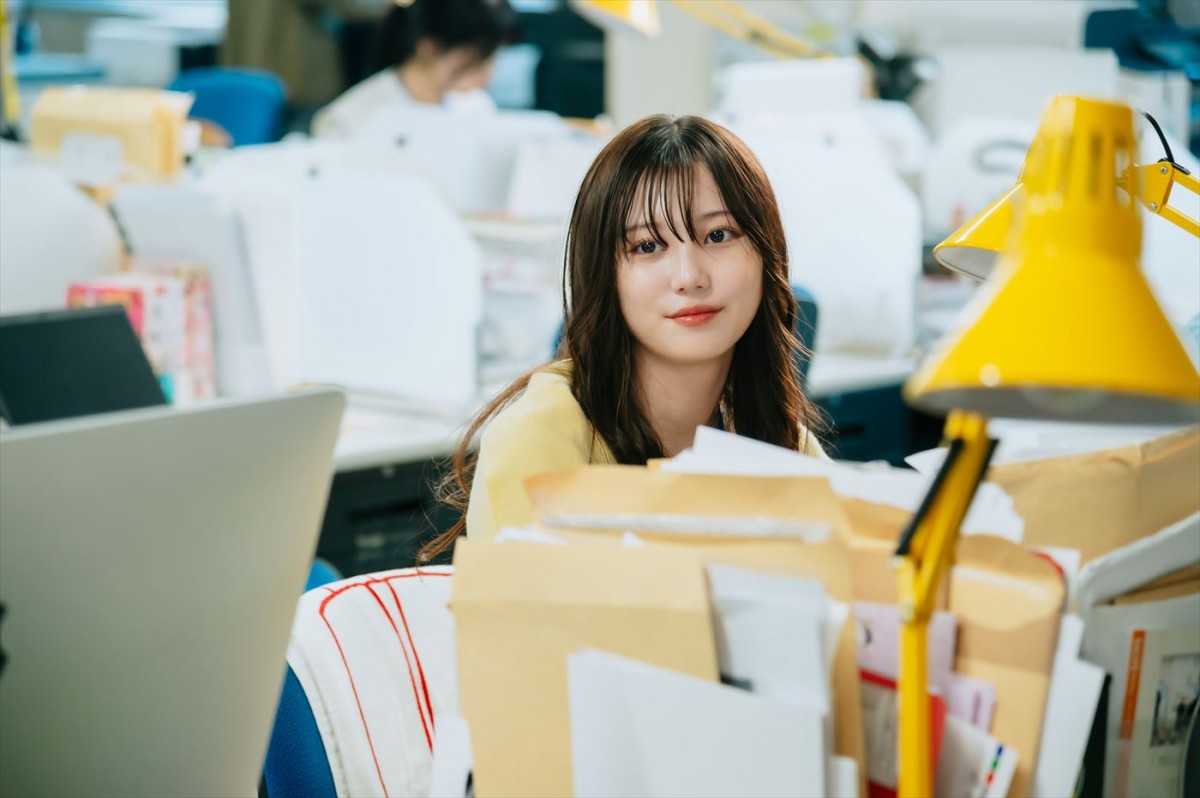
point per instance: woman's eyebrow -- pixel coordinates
(701, 217)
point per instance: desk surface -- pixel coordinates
(375, 434)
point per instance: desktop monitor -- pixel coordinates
(468, 156)
(152, 561)
(67, 363)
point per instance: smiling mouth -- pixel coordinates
(694, 317)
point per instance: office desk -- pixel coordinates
(383, 505)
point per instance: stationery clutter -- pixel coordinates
(670, 633)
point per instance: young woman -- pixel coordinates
(436, 52)
(680, 315)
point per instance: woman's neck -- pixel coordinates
(420, 83)
(680, 397)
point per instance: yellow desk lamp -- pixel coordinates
(1066, 328)
(727, 16)
(972, 248)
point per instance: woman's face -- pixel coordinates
(689, 303)
(462, 69)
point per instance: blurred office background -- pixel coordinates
(418, 263)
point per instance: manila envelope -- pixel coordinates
(1100, 501)
(633, 494)
(521, 609)
(1008, 603)
(148, 123)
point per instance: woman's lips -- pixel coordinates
(695, 316)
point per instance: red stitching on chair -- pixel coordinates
(417, 657)
(357, 701)
(372, 581)
(334, 593)
(408, 662)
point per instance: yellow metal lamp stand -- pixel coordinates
(1067, 328)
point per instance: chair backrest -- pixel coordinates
(248, 104)
(370, 670)
(806, 329)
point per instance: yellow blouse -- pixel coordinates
(543, 430)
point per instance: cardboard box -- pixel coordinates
(1100, 501)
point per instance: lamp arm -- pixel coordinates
(921, 560)
(1154, 183)
(731, 18)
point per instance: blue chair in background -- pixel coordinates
(322, 573)
(806, 330)
(296, 765)
(247, 104)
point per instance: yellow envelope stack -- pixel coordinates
(147, 123)
(521, 608)
(691, 502)
(1008, 603)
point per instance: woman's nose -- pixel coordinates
(691, 273)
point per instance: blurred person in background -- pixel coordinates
(436, 52)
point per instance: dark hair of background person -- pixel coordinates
(479, 25)
(656, 157)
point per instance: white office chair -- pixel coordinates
(370, 670)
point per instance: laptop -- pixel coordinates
(67, 363)
(150, 565)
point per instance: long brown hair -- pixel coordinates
(655, 158)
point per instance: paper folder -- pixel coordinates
(809, 540)
(1008, 602)
(522, 608)
(141, 129)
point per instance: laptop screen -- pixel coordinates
(68, 363)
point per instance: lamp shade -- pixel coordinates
(973, 248)
(1068, 328)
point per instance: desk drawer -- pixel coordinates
(379, 518)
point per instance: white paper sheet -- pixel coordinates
(638, 730)
(1070, 709)
(451, 758)
(1134, 565)
(776, 635)
(880, 650)
(968, 755)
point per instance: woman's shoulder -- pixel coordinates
(357, 104)
(546, 406)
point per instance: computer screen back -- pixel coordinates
(69, 363)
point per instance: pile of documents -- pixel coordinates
(170, 309)
(725, 623)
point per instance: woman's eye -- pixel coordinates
(720, 235)
(646, 247)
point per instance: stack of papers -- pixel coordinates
(717, 452)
